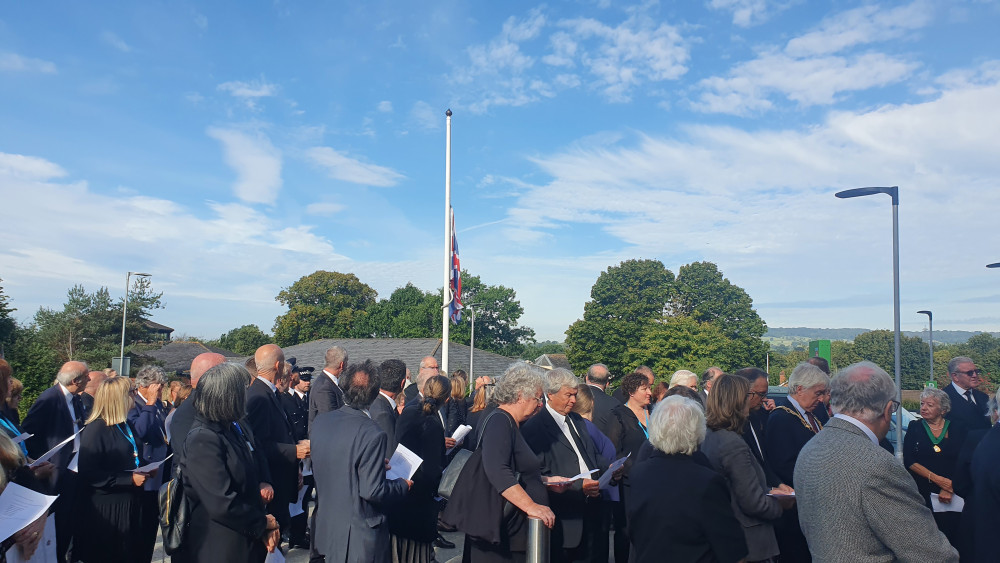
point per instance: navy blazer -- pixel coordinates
(972, 415)
(297, 411)
(784, 438)
(603, 405)
(51, 422)
(324, 396)
(385, 415)
(275, 439)
(352, 491)
(559, 459)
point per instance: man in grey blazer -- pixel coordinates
(857, 503)
(349, 465)
(326, 394)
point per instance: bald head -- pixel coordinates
(73, 376)
(270, 361)
(202, 363)
(96, 377)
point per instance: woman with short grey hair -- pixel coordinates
(691, 518)
(227, 521)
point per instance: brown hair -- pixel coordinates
(458, 384)
(725, 408)
(16, 388)
(5, 373)
(482, 398)
(436, 392)
(584, 400)
(660, 391)
(632, 383)
(182, 393)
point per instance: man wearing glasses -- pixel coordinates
(968, 404)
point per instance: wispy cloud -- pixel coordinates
(324, 208)
(110, 38)
(256, 162)
(425, 116)
(249, 92)
(12, 62)
(748, 13)
(384, 106)
(342, 167)
(29, 167)
(812, 69)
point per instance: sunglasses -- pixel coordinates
(971, 373)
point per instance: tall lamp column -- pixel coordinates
(930, 337)
(121, 356)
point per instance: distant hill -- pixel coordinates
(804, 334)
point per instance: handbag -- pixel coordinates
(450, 475)
(175, 512)
(472, 497)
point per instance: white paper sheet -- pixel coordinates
(583, 475)
(776, 495)
(74, 464)
(48, 455)
(19, 507)
(956, 504)
(403, 464)
(46, 550)
(295, 508)
(605, 480)
(151, 466)
(459, 436)
(275, 557)
(21, 438)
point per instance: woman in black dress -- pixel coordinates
(414, 523)
(108, 504)
(930, 451)
(228, 521)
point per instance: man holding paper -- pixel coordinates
(562, 442)
(350, 469)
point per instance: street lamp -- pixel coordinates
(122, 370)
(930, 337)
(472, 340)
(892, 192)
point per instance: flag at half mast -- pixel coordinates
(455, 283)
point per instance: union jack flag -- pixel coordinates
(455, 285)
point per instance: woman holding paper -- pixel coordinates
(930, 452)
(108, 505)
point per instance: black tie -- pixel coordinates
(968, 396)
(579, 442)
(78, 409)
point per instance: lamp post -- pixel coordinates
(930, 337)
(472, 340)
(993, 265)
(892, 192)
(121, 357)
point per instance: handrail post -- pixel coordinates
(538, 541)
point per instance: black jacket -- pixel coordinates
(297, 412)
(324, 396)
(603, 405)
(972, 416)
(385, 415)
(784, 438)
(274, 438)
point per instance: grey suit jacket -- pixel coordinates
(351, 489)
(732, 458)
(857, 504)
(324, 396)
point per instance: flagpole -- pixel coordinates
(445, 317)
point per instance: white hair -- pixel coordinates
(558, 378)
(806, 376)
(683, 377)
(677, 426)
(862, 391)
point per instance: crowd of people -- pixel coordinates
(273, 455)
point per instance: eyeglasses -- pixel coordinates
(756, 394)
(971, 372)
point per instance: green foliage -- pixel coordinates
(409, 312)
(624, 300)
(878, 346)
(679, 342)
(532, 351)
(31, 361)
(984, 349)
(496, 318)
(244, 340)
(321, 305)
(7, 323)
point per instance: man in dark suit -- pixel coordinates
(428, 368)
(325, 394)
(273, 432)
(392, 374)
(856, 502)
(598, 378)
(707, 378)
(352, 489)
(968, 404)
(560, 438)
(57, 414)
(985, 498)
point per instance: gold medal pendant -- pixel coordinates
(937, 449)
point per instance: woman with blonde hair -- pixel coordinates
(457, 409)
(421, 429)
(108, 506)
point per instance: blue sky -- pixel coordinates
(230, 148)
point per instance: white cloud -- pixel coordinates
(342, 167)
(747, 13)
(812, 69)
(252, 89)
(201, 21)
(426, 117)
(256, 162)
(29, 167)
(384, 106)
(113, 40)
(324, 208)
(12, 62)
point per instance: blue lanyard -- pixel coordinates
(643, 426)
(240, 430)
(14, 433)
(131, 440)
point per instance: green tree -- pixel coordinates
(322, 305)
(7, 323)
(32, 362)
(497, 316)
(624, 299)
(680, 342)
(532, 351)
(244, 340)
(702, 293)
(878, 346)
(409, 312)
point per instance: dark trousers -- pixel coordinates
(148, 526)
(63, 508)
(593, 546)
(791, 541)
(619, 523)
(297, 530)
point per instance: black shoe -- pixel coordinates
(443, 543)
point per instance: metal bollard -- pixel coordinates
(538, 541)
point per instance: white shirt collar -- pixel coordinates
(868, 431)
(334, 378)
(296, 392)
(392, 402)
(67, 394)
(959, 390)
(563, 425)
(269, 384)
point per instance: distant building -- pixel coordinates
(552, 361)
(157, 332)
(175, 357)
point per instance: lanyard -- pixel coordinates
(240, 430)
(643, 426)
(14, 433)
(131, 440)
